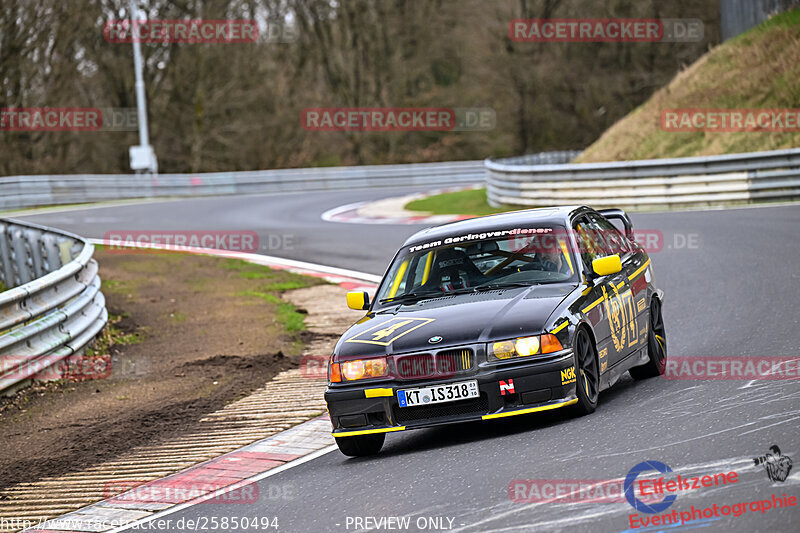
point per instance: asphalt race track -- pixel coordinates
(731, 279)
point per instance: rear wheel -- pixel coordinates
(361, 445)
(656, 346)
(587, 384)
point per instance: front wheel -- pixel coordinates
(587, 385)
(361, 445)
(656, 346)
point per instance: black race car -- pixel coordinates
(494, 317)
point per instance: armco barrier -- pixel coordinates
(52, 306)
(652, 183)
(27, 191)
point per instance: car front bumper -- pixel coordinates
(373, 408)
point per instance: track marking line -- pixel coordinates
(229, 488)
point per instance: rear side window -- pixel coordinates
(611, 239)
(589, 244)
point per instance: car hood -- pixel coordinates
(458, 319)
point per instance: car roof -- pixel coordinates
(541, 215)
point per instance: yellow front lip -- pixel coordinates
(530, 410)
(484, 417)
(368, 431)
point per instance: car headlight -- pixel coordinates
(359, 369)
(524, 346)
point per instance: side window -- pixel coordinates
(588, 243)
(610, 238)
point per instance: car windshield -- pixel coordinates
(473, 262)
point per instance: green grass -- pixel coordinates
(130, 338)
(111, 335)
(256, 275)
(286, 285)
(286, 313)
(468, 202)
(268, 284)
(117, 287)
(251, 270)
(177, 316)
(277, 281)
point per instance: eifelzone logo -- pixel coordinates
(630, 493)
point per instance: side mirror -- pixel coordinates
(604, 266)
(358, 300)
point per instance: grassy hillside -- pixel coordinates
(758, 69)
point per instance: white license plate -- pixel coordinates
(451, 392)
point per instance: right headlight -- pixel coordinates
(524, 347)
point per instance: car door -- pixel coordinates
(609, 305)
(634, 266)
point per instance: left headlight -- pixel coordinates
(524, 347)
(359, 369)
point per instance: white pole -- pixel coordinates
(141, 103)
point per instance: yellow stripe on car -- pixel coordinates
(566, 254)
(368, 431)
(594, 304)
(531, 410)
(559, 328)
(377, 393)
(428, 263)
(398, 278)
(639, 270)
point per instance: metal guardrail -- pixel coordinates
(737, 16)
(52, 306)
(28, 191)
(652, 183)
(542, 158)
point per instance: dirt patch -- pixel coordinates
(192, 334)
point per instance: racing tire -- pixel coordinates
(587, 382)
(656, 346)
(361, 445)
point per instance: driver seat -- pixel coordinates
(455, 270)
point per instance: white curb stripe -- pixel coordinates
(266, 260)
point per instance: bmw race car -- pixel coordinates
(494, 317)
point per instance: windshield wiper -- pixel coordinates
(411, 296)
(503, 285)
(416, 296)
